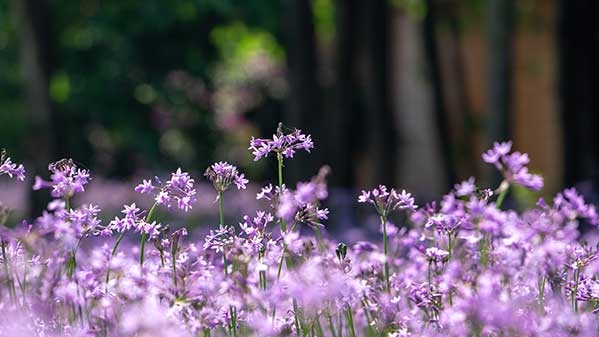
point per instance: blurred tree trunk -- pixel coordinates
(342, 116)
(467, 156)
(500, 17)
(578, 48)
(33, 27)
(303, 111)
(436, 78)
(378, 118)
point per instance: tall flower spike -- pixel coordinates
(285, 144)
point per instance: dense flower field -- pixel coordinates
(464, 266)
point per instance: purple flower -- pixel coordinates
(436, 255)
(285, 145)
(65, 180)
(465, 188)
(178, 191)
(223, 174)
(301, 205)
(513, 166)
(387, 201)
(10, 168)
(145, 187)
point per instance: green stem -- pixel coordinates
(280, 170)
(575, 290)
(542, 294)
(386, 251)
(174, 262)
(221, 213)
(502, 194)
(331, 324)
(232, 311)
(144, 236)
(11, 285)
(67, 203)
(350, 322)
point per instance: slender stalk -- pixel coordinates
(280, 170)
(174, 262)
(221, 213)
(350, 322)
(232, 310)
(386, 251)
(504, 187)
(575, 290)
(11, 284)
(144, 236)
(331, 324)
(542, 293)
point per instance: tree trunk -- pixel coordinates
(440, 107)
(33, 27)
(303, 109)
(578, 83)
(500, 17)
(342, 117)
(381, 132)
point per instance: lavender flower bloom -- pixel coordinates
(280, 143)
(66, 179)
(465, 188)
(386, 201)
(513, 166)
(223, 174)
(572, 205)
(10, 168)
(133, 220)
(178, 191)
(436, 255)
(301, 205)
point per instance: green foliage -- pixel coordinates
(114, 66)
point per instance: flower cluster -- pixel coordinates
(178, 191)
(457, 268)
(66, 179)
(386, 201)
(283, 144)
(133, 219)
(10, 168)
(302, 205)
(223, 174)
(69, 225)
(513, 165)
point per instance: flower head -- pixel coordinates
(284, 144)
(10, 168)
(66, 179)
(223, 174)
(178, 191)
(386, 201)
(513, 166)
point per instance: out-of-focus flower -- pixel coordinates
(513, 166)
(10, 168)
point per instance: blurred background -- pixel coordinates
(402, 92)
